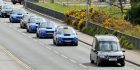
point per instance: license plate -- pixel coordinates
(113, 59)
(67, 40)
(49, 33)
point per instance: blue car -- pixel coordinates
(16, 15)
(46, 29)
(33, 23)
(65, 35)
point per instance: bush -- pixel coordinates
(117, 24)
(81, 24)
(99, 16)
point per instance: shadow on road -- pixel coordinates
(102, 65)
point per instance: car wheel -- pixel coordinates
(37, 35)
(11, 21)
(27, 30)
(57, 44)
(21, 26)
(54, 42)
(92, 61)
(14, 2)
(97, 62)
(76, 44)
(122, 63)
(2, 15)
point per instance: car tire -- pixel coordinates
(2, 15)
(27, 30)
(14, 2)
(122, 63)
(97, 62)
(57, 44)
(54, 42)
(92, 61)
(76, 44)
(37, 35)
(21, 26)
(11, 21)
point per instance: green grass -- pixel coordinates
(59, 7)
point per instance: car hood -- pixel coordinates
(111, 53)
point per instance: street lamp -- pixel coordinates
(86, 13)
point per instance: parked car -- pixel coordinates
(106, 49)
(33, 23)
(17, 15)
(46, 29)
(25, 20)
(17, 1)
(65, 35)
(6, 10)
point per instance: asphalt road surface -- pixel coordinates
(41, 54)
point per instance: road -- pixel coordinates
(41, 54)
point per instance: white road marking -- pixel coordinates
(49, 48)
(64, 56)
(35, 40)
(27, 67)
(73, 61)
(56, 52)
(82, 66)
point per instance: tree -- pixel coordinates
(133, 14)
(134, 2)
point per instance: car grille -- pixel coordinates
(49, 31)
(112, 56)
(67, 38)
(66, 34)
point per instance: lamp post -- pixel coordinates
(86, 13)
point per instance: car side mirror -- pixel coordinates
(94, 50)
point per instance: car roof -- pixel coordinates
(106, 38)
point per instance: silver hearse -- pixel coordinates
(106, 49)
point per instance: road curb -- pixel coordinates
(78, 39)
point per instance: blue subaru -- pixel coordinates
(16, 15)
(46, 29)
(33, 24)
(65, 35)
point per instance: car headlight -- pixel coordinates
(102, 56)
(59, 38)
(122, 56)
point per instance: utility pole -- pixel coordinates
(86, 13)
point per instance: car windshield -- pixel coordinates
(67, 31)
(18, 12)
(47, 25)
(7, 7)
(109, 46)
(36, 20)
